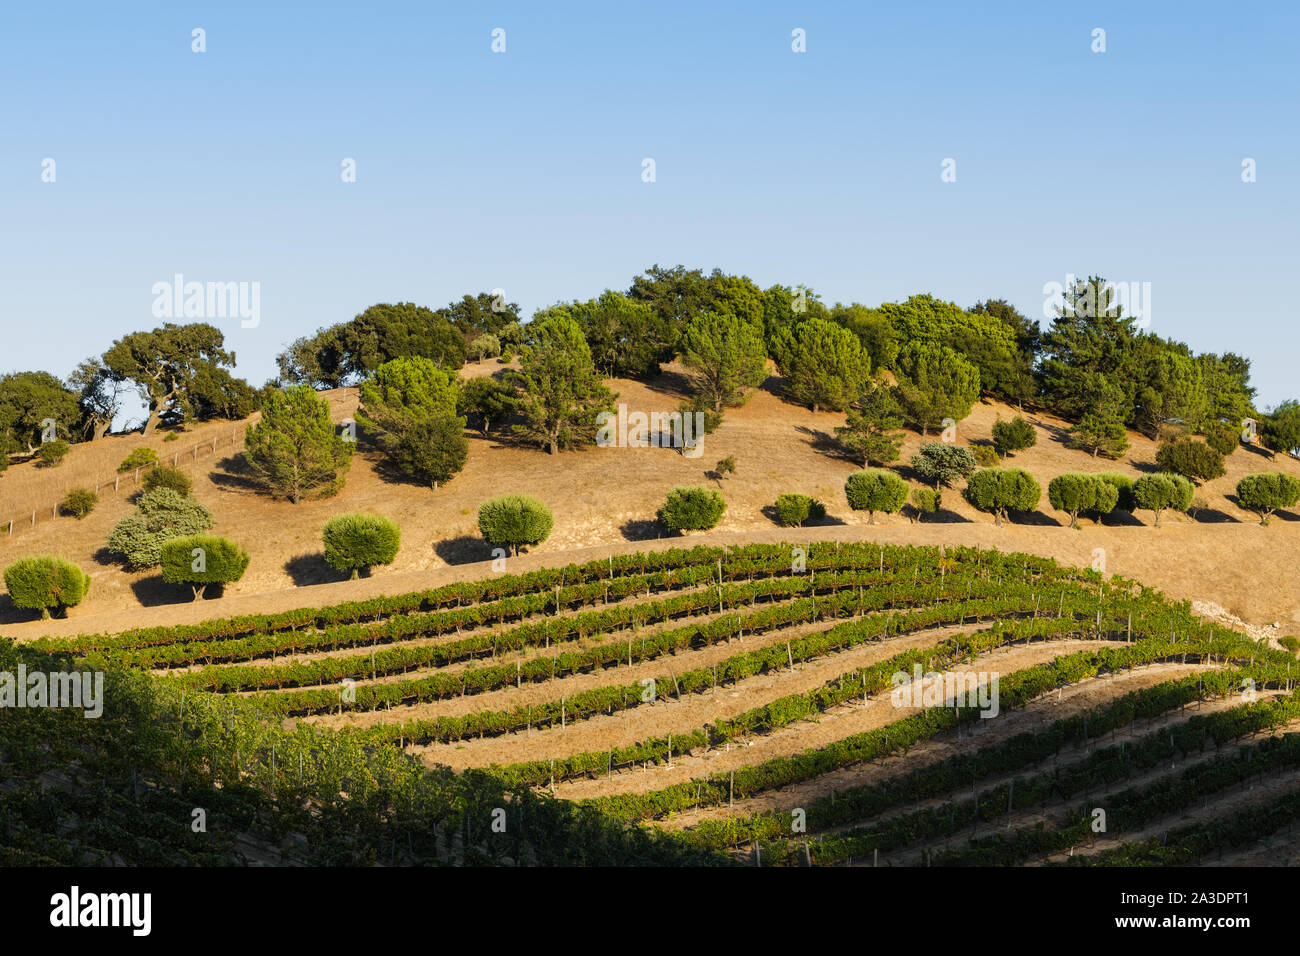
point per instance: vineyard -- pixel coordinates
(707, 705)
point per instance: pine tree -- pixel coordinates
(725, 355)
(294, 448)
(870, 430)
(562, 394)
(825, 366)
(936, 383)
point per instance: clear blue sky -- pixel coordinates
(523, 169)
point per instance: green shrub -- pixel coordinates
(1223, 437)
(1163, 490)
(700, 405)
(1266, 492)
(1191, 459)
(515, 521)
(926, 501)
(139, 458)
(165, 476)
(941, 463)
(1291, 643)
(986, 456)
(1002, 490)
(1015, 435)
(873, 490)
(725, 466)
(793, 510)
(202, 559)
(1124, 488)
(52, 453)
(1077, 492)
(692, 509)
(79, 502)
(171, 436)
(357, 541)
(38, 584)
(158, 517)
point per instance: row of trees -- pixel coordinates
(181, 373)
(920, 362)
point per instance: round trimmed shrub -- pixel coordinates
(357, 541)
(1002, 490)
(515, 521)
(139, 458)
(1015, 435)
(38, 584)
(1163, 490)
(873, 490)
(1266, 492)
(986, 455)
(165, 476)
(79, 502)
(202, 559)
(926, 501)
(793, 510)
(1123, 488)
(1075, 492)
(693, 508)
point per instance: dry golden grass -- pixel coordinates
(605, 499)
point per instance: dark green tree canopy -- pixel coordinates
(725, 355)
(343, 354)
(28, 401)
(180, 371)
(825, 366)
(935, 383)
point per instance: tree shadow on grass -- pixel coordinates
(1260, 451)
(155, 592)
(829, 521)
(824, 443)
(1213, 516)
(233, 474)
(643, 529)
(465, 549)
(1032, 519)
(9, 614)
(669, 382)
(106, 557)
(307, 569)
(1119, 519)
(942, 516)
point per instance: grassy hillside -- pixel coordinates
(605, 498)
